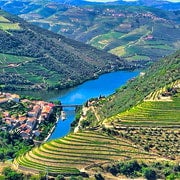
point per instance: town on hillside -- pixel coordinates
(23, 116)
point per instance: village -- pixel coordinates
(26, 121)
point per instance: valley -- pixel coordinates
(34, 58)
(118, 62)
(138, 34)
(143, 129)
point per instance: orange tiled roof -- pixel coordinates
(23, 126)
(22, 118)
(46, 109)
(31, 119)
(27, 131)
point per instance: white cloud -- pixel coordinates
(173, 0)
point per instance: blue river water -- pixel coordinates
(105, 85)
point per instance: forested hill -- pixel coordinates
(34, 58)
(136, 33)
(160, 75)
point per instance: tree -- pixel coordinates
(129, 168)
(98, 176)
(11, 175)
(149, 174)
(60, 177)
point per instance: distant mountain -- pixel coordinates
(16, 6)
(34, 58)
(138, 34)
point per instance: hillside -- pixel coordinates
(145, 134)
(27, 4)
(159, 75)
(82, 154)
(139, 34)
(34, 58)
(145, 111)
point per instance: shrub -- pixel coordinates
(12, 175)
(149, 174)
(98, 177)
(60, 177)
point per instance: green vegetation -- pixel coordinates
(9, 26)
(162, 141)
(3, 19)
(5, 24)
(158, 76)
(7, 59)
(33, 58)
(152, 113)
(10, 174)
(139, 34)
(103, 40)
(80, 150)
(15, 109)
(12, 145)
(134, 132)
(149, 171)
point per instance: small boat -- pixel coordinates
(63, 115)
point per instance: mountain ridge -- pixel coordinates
(53, 61)
(138, 34)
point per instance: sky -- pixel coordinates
(125, 0)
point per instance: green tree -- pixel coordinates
(12, 175)
(60, 177)
(98, 176)
(149, 174)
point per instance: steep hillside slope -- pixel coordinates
(147, 131)
(159, 75)
(79, 152)
(145, 111)
(33, 58)
(139, 34)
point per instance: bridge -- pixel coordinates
(68, 105)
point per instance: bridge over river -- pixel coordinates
(68, 105)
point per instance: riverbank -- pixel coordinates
(52, 130)
(84, 111)
(105, 85)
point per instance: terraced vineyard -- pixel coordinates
(5, 24)
(79, 151)
(154, 123)
(7, 60)
(158, 95)
(154, 111)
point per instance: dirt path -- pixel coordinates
(95, 113)
(84, 111)
(3, 165)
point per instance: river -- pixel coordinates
(105, 85)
